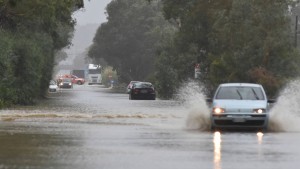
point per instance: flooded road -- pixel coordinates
(90, 127)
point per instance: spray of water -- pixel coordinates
(285, 114)
(194, 100)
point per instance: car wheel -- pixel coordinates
(79, 83)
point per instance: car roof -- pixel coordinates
(240, 84)
(67, 79)
(144, 83)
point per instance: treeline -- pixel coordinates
(232, 40)
(130, 38)
(31, 32)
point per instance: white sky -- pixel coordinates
(93, 12)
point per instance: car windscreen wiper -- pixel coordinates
(237, 90)
(257, 98)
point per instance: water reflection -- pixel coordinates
(217, 150)
(38, 146)
(260, 137)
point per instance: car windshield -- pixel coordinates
(133, 82)
(240, 93)
(94, 71)
(143, 85)
(52, 82)
(66, 80)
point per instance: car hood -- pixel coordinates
(52, 86)
(240, 104)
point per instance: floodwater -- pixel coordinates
(90, 127)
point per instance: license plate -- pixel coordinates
(239, 120)
(144, 91)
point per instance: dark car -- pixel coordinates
(66, 83)
(129, 87)
(142, 90)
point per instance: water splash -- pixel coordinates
(194, 99)
(285, 115)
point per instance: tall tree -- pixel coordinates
(31, 32)
(254, 38)
(128, 40)
(234, 41)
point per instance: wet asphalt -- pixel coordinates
(91, 127)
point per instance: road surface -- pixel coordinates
(90, 127)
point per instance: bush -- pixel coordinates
(267, 79)
(109, 75)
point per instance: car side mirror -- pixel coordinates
(271, 100)
(208, 100)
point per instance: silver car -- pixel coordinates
(240, 106)
(53, 86)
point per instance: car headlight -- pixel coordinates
(61, 84)
(259, 111)
(218, 110)
(70, 84)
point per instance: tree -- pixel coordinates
(31, 33)
(255, 43)
(129, 39)
(234, 41)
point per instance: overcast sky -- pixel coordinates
(93, 12)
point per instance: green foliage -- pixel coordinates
(166, 78)
(129, 39)
(255, 35)
(109, 74)
(234, 41)
(7, 95)
(31, 32)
